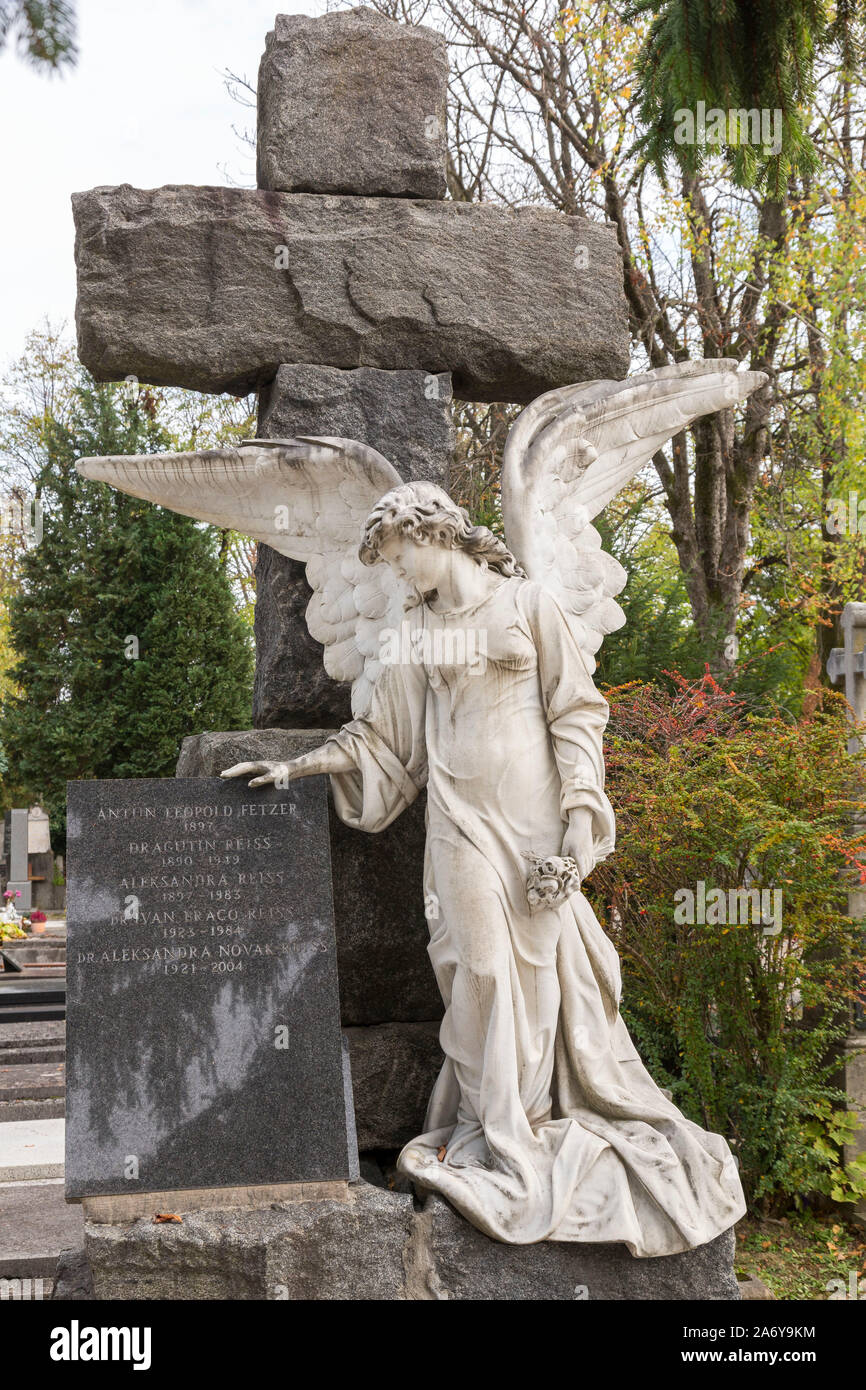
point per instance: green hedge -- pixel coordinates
(741, 1019)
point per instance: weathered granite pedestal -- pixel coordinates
(382, 1245)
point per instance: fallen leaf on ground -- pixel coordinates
(162, 1216)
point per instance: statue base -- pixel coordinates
(381, 1245)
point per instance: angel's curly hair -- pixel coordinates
(426, 514)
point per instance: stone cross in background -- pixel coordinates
(16, 838)
(355, 299)
(849, 663)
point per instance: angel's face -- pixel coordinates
(418, 564)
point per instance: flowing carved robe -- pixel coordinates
(553, 1128)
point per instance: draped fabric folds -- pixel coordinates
(551, 1126)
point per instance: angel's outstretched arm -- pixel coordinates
(377, 763)
(327, 758)
(385, 749)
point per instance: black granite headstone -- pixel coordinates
(203, 1028)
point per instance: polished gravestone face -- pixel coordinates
(204, 1045)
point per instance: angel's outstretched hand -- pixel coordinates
(264, 772)
(328, 758)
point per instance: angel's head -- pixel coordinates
(417, 529)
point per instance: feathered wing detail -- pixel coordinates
(573, 449)
(308, 498)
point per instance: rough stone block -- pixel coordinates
(314, 1250)
(382, 934)
(291, 686)
(394, 1067)
(407, 417)
(73, 1280)
(209, 1255)
(184, 286)
(352, 102)
(377, 1246)
(465, 1264)
(357, 1250)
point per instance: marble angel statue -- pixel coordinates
(543, 1124)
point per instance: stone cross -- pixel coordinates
(346, 289)
(357, 300)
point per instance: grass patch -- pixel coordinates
(797, 1255)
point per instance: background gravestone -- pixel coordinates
(203, 1032)
(848, 664)
(17, 871)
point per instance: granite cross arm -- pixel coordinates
(216, 288)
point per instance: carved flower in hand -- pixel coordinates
(551, 880)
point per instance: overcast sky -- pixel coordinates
(146, 105)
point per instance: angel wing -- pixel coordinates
(308, 498)
(572, 450)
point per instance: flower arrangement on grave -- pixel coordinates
(10, 923)
(9, 912)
